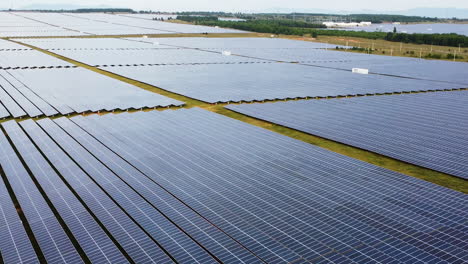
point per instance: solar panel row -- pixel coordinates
(207, 188)
(96, 244)
(437, 70)
(14, 242)
(85, 43)
(237, 43)
(213, 239)
(11, 46)
(15, 56)
(138, 245)
(150, 56)
(14, 25)
(270, 81)
(76, 90)
(171, 43)
(446, 71)
(51, 237)
(161, 27)
(425, 129)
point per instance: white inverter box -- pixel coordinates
(360, 71)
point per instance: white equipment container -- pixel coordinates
(360, 71)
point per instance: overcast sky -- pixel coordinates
(248, 5)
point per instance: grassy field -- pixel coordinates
(373, 158)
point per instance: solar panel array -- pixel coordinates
(25, 59)
(190, 186)
(32, 24)
(237, 43)
(141, 24)
(6, 45)
(315, 54)
(258, 81)
(426, 129)
(91, 43)
(49, 234)
(16, 56)
(248, 82)
(16, 25)
(446, 71)
(49, 92)
(311, 53)
(139, 57)
(15, 246)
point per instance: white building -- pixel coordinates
(345, 25)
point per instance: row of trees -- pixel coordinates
(262, 27)
(453, 40)
(197, 19)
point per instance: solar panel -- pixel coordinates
(269, 44)
(19, 98)
(3, 112)
(74, 24)
(262, 245)
(15, 246)
(75, 90)
(96, 244)
(149, 56)
(133, 240)
(15, 25)
(13, 108)
(258, 81)
(10, 46)
(222, 246)
(158, 27)
(39, 102)
(56, 44)
(423, 129)
(52, 239)
(207, 188)
(180, 246)
(29, 59)
(314, 202)
(437, 70)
